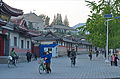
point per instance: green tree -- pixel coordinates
(54, 21)
(45, 18)
(66, 22)
(96, 23)
(57, 20)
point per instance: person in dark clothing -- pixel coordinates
(29, 55)
(97, 53)
(73, 56)
(116, 59)
(90, 54)
(68, 53)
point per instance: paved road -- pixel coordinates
(97, 68)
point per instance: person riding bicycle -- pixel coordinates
(73, 56)
(13, 55)
(47, 57)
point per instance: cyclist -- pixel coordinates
(47, 57)
(13, 55)
(73, 56)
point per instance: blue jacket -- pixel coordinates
(48, 56)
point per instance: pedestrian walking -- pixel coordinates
(116, 60)
(90, 54)
(68, 53)
(73, 55)
(112, 59)
(29, 56)
(97, 53)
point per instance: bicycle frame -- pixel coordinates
(11, 62)
(42, 66)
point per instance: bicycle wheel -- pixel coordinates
(9, 63)
(40, 69)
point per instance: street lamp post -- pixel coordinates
(107, 41)
(108, 16)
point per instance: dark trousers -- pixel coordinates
(48, 67)
(74, 60)
(112, 63)
(115, 63)
(28, 59)
(90, 57)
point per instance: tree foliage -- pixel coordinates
(66, 22)
(96, 23)
(45, 18)
(58, 20)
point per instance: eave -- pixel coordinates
(9, 10)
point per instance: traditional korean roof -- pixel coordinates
(46, 37)
(21, 26)
(85, 42)
(6, 9)
(61, 27)
(21, 23)
(32, 17)
(34, 33)
(50, 36)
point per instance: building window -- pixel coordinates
(15, 41)
(27, 44)
(22, 43)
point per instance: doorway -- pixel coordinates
(1, 46)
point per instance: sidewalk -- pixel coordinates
(61, 68)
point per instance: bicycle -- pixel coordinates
(11, 61)
(42, 66)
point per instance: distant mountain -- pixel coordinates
(78, 25)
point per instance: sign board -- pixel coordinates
(108, 16)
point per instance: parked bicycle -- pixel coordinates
(42, 66)
(12, 62)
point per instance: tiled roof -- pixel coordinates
(61, 27)
(32, 17)
(4, 8)
(22, 26)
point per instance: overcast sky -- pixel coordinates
(76, 10)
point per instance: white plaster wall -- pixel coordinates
(12, 35)
(19, 38)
